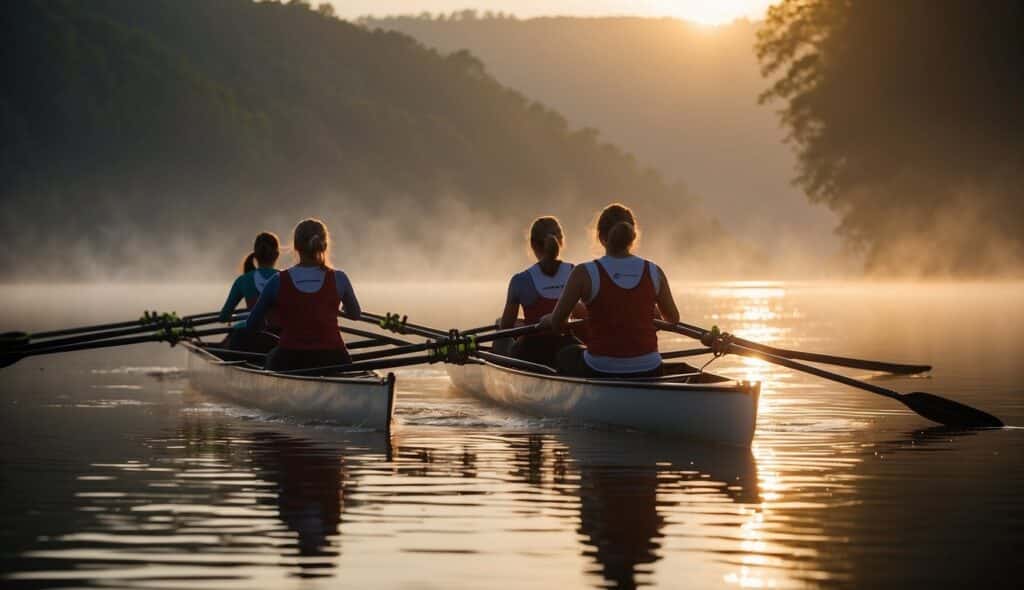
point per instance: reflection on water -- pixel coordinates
(115, 474)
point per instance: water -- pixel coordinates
(116, 474)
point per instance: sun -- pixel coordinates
(711, 12)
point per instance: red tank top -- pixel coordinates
(309, 321)
(538, 309)
(544, 304)
(621, 321)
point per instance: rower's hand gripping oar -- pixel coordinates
(933, 407)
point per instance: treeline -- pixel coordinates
(129, 124)
(680, 96)
(907, 120)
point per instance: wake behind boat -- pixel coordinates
(364, 399)
(683, 402)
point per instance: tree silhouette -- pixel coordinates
(906, 119)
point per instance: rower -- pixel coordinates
(622, 293)
(536, 290)
(257, 269)
(306, 298)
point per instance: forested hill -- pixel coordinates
(681, 96)
(137, 131)
(905, 116)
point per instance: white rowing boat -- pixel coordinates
(691, 405)
(365, 399)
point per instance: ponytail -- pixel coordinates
(249, 264)
(265, 251)
(546, 238)
(551, 247)
(617, 228)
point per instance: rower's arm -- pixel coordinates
(258, 314)
(349, 303)
(511, 311)
(234, 297)
(666, 303)
(575, 289)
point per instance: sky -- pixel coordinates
(710, 12)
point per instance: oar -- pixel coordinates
(398, 324)
(930, 406)
(438, 351)
(149, 318)
(381, 337)
(677, 354)
(105, 335)
(359, 367)
(9, 358)
(869, 365)
(439, 347)
(811, 357)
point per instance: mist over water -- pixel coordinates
(118, 472)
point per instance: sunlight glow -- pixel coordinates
(711, 12)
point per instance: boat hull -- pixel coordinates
(352, 401)
(722, 413)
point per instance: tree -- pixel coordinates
(326, 9)
(906, 120)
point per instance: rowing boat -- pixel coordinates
(684, 403)
(363, 399)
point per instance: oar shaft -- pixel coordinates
(676, 354)
(377, 354)
(840, 361)
(110, 343)
(418, 330)
(373, 335)
(519, 331)
(798, 366)
(106, 334)
(735, 348)
(105, 327)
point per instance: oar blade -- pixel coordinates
(948, 412)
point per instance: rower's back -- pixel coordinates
(536, 290)
(305, 300)
(622, 294)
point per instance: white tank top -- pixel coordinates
(549, 287)
(261, 281)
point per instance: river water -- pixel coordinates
(115, 473)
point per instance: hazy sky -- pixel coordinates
(704, 11)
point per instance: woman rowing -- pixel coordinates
(257, 270)
(622, 293)
(536, 290)
(305, 299)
